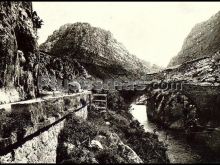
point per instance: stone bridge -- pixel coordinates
(187, 79)
(206, 98)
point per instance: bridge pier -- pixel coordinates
(207, 101)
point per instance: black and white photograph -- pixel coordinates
(107, 82)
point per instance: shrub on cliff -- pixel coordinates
(75, 144)
(146, 145)
(116, 122)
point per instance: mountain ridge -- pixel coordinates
(84, 42)
(203, 40)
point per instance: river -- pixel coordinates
(179, 151)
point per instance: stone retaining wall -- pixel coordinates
(33, 130)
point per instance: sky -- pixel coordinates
(153, 31)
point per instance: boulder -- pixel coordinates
(96, 144)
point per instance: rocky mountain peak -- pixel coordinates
(95, 48)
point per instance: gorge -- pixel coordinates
(41, 121)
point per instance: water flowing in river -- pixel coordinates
(178, 149)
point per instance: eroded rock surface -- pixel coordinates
(18, 52)
(96, 49)
(55, 73)
(202, 41)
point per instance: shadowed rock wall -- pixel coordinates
(18, 52)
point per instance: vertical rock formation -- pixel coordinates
(202, 41)
(18, 52)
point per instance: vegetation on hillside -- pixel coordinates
(118, 133)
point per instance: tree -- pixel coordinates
(37, 22)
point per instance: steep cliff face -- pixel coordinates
(18, 51)
(55, 73)
(96, 49)
(203, 40)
